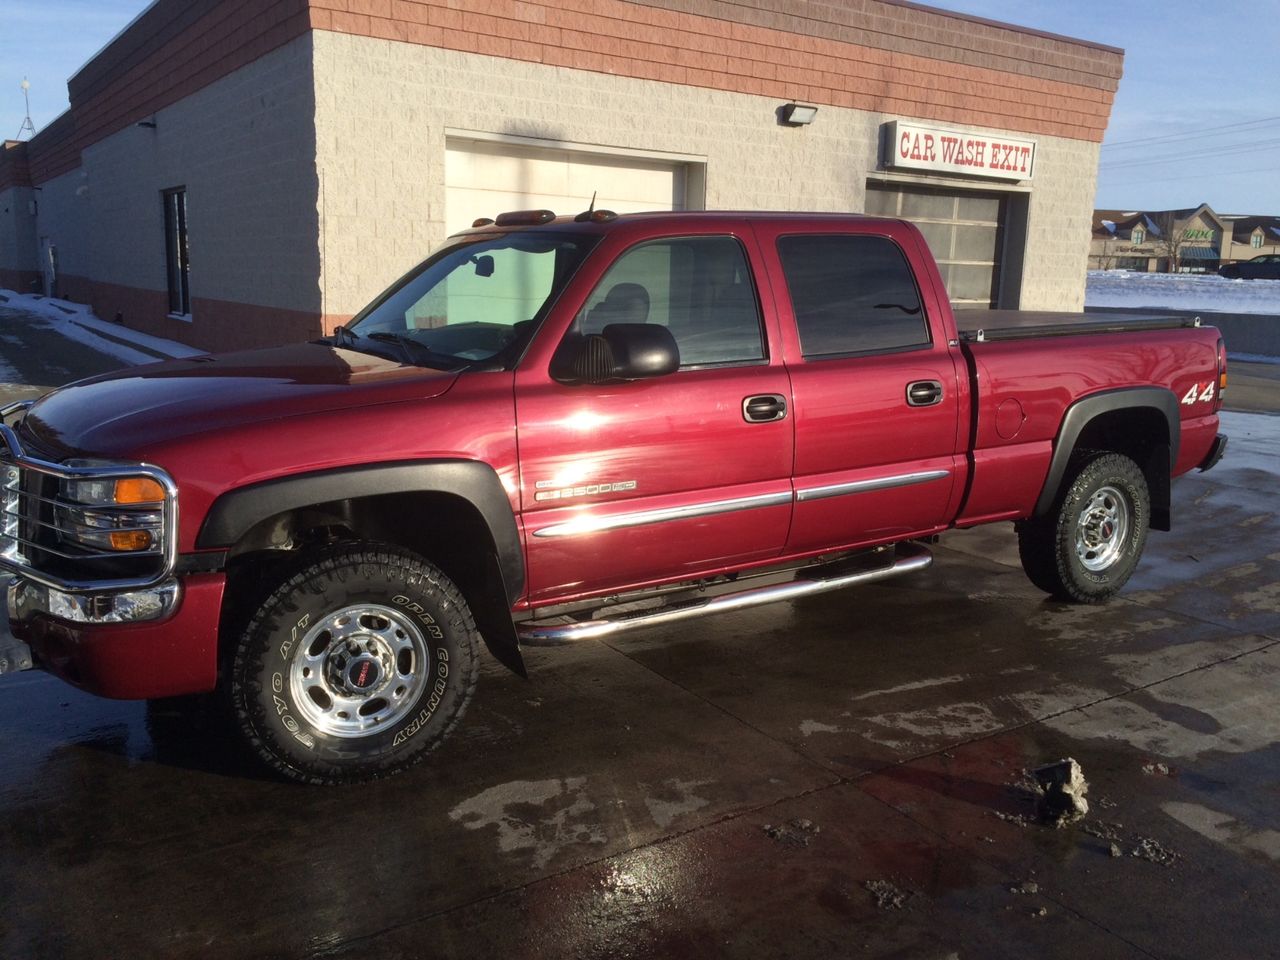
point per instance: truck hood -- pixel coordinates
(118, 414)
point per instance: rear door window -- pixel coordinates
(852, 294)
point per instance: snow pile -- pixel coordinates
(1063, 787)
(77, 322)
(1190, 293)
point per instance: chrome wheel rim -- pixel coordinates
(1102, 529)
(359, 670)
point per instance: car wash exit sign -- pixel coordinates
(913, 146)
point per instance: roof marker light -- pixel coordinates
(515, 218)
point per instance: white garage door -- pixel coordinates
(964, 230)
(484, 179)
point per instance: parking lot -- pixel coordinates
(837, 777)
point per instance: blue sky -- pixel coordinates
(47, 41)
(1189, 66)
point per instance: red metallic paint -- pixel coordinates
(116, 413)
(681, 438)
(224, 422)
(138, 661)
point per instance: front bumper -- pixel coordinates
(1216, 450)
(131, 661)
(15, 656)
(25, 598)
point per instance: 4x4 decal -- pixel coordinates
(1195, 394)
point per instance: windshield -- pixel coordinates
(473, 300)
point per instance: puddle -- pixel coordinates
(534, 817)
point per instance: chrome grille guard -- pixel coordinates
(17, 465)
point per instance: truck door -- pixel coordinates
(628, 483)
(877, 398)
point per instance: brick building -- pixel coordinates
(242, 172)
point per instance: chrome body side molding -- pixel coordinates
(590, 523)
(865, 486)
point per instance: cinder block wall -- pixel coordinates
(1059, 222)
(63, 219)
(19, 263)
(243, 147)
(383, 108)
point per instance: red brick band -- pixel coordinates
(634, 39)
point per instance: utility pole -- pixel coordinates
(27, 127)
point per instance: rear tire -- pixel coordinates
(355, 667)
(1087, 547)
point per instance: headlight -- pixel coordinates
(10, 510)
(117, 514)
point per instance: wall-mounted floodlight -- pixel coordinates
(797, 114)
(149, 123)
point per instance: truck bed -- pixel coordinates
(980, 326)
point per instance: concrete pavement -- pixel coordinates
(1253, 387)
(842, 776)
(839, 777)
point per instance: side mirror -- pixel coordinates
(622, 351)
(484, 265)
(641, 350)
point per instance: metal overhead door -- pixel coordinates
(964, 229)
(482, 179)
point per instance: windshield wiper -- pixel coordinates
(414, 352)
(343, 337)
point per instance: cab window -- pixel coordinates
(699, 288)
(852, 294)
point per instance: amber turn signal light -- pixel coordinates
(130, 540)
(138, 490)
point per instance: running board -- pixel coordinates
(908, 558)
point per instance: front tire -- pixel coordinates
(355, 667)
(1086, 549)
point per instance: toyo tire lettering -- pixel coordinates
(355, 666)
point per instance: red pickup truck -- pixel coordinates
(561, 428)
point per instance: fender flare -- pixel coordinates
(237, 511)
(1086, 409)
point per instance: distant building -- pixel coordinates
(1252, 237)
(1192, 240)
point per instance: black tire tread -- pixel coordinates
(1047, 544)
(334, 560)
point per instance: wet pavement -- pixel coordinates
(843, 776)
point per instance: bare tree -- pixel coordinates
(1172, 238)
(1106, 257)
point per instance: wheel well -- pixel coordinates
(445, 529)
(1142, 435)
